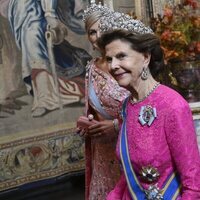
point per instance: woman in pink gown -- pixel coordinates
(103, 101)
(157, 145)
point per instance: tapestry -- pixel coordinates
(43, 53)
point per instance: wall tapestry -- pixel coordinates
(43, 53)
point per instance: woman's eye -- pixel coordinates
(121, 56)
(108, 59)
(92, 32)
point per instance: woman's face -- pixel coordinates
(125, 64)
(94, 34)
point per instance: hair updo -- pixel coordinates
(91, 19)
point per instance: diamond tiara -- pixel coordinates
(117, 20)
(93, 7)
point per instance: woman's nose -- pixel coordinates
(114, 64)
(98, 34)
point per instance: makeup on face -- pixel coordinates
(125, 64)
(94, 34)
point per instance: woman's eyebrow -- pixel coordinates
(119, 54)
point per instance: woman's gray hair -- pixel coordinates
(147, 43)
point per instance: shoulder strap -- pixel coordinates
(134, 187)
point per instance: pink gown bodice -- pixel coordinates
(108, 92)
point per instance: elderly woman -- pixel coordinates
(157, 145)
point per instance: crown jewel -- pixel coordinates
(93, 7)
(118, 20)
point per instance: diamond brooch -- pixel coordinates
(147, 115)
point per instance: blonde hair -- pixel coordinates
(93, 18)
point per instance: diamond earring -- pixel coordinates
(144, 74)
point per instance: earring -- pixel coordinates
(144, 74)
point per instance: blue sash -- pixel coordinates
(171, 188)
(96, 103)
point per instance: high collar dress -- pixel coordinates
(169, 144)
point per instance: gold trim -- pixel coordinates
(41, 159)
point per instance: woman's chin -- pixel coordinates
(122, 83)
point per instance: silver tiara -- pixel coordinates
(93, 7)
(118, 20)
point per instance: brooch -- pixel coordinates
(153, 193)
(147, 115)
(149, 173)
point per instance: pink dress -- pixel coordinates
(102, 166)
(169, 144)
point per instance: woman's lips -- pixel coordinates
(119, 75)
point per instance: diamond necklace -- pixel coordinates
(154, 87)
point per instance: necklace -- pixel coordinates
(154, 87)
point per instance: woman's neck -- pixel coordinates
(143, 89)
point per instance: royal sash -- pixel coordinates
(171, 188)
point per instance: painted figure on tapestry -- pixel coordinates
(10, 66)
(157, 144)
(29, 21)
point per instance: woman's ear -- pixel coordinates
(147, 58)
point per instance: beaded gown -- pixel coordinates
(103, 95)
(169, 144)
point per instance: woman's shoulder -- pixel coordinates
(95, 64)
(91, 62)
(170, 92)
(88, 65)
(171, 98)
